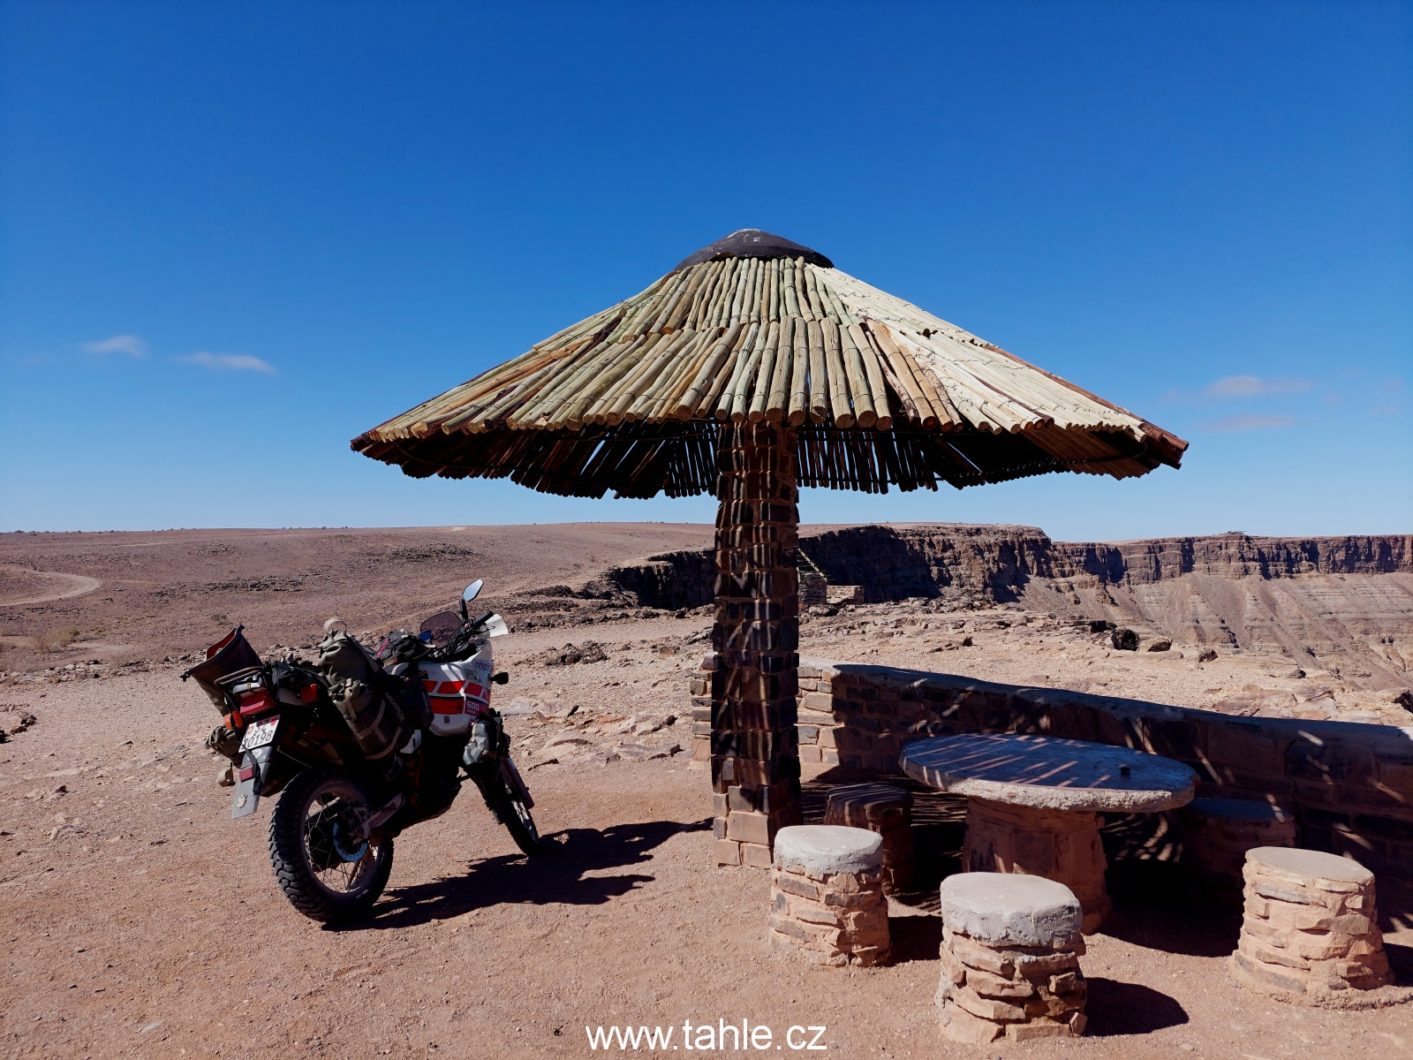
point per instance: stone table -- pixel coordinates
(1033, 802)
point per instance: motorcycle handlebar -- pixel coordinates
(453, 648)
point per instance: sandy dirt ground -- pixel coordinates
(139, 920)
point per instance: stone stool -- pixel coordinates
(886, 810)
(1010, 959)
(1310, 932)
(1217, 833)
(1031, 840)
(826, 894)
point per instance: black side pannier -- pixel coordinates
(230, 655)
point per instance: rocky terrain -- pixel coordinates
(140, 920)
(1342, 607)
(1317, 628)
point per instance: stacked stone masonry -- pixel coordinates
(826, 895)
(751, 724)
(1310, 931)
(884, 809)
(814, 590)
(1348, 787)
(1057, 845)
(1217, 833)
(1010, 959)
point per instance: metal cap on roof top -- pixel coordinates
(753, 243)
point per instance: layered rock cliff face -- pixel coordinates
(1345, 602)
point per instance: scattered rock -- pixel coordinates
(1207, 655)
(588, 652)
(1161, 645)
(23, 720)
(1100, 625)
(1124, 640)
(564, 740)
(1404, 699)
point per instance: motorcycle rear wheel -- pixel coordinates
(322, 873)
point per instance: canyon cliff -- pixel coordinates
(1346, 602)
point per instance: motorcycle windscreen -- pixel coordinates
(441, 627)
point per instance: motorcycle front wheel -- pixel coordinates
(322, 870)
(514, 814)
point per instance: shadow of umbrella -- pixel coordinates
(559, 876)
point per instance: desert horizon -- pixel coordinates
(805, 525)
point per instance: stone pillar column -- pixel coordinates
(755, 762)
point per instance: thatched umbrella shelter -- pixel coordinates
(753, 368)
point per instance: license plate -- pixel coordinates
(260, 734)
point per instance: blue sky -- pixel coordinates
(235, 235)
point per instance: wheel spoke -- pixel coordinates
(322, 841)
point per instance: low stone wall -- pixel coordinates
(813, 589)
(1349, 786)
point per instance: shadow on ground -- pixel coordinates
(558, 876)
(1116, 1009)
(1157, 906)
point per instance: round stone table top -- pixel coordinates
(1049, 773)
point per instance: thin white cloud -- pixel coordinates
(1255, 386)
(1250, 423)
(131, 345)
(229, 362)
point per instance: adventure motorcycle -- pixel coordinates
(360, 746)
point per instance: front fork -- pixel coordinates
(491, 773)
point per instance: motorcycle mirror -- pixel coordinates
(472, 591)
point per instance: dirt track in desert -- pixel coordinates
(139, 920)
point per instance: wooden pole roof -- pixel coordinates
(755, 327)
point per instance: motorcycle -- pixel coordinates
(361, 746)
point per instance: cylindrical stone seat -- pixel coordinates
(1217, 833)
(884, 809)
(826, 894)
(1310, 931)
(1058, 845)
(1010, 959)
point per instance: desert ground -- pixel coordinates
(139, 920)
